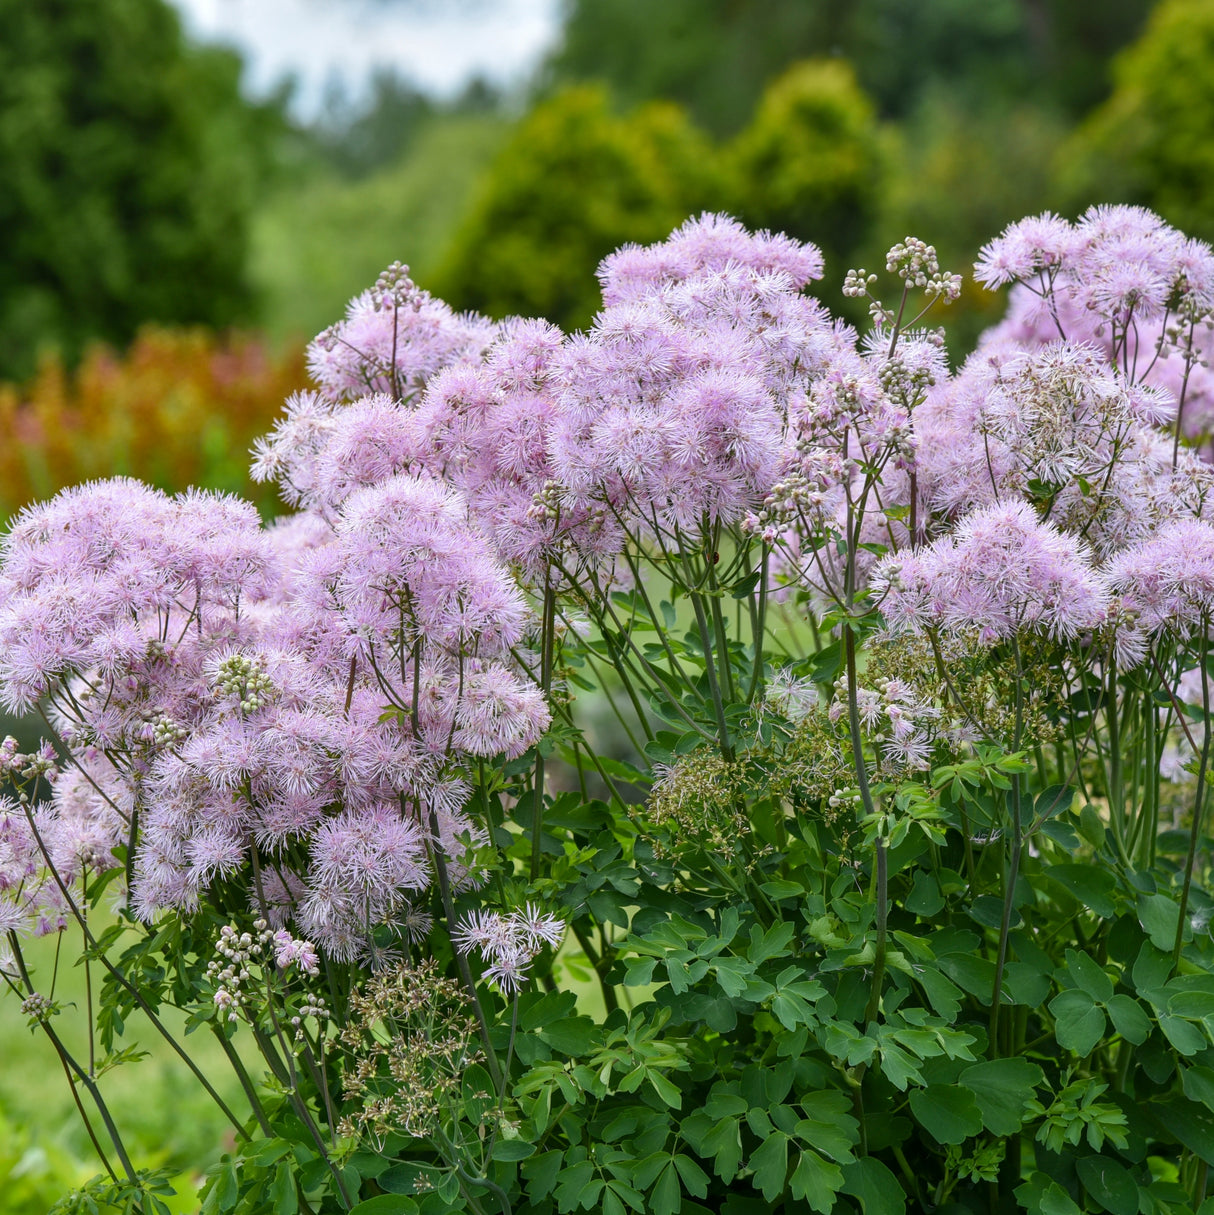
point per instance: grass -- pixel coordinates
(320, 243)
(166, 1118)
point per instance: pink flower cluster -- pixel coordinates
(298, 708)
(509, 943)
(1122, 280)
(673, 407)
(394, 338)
(1002, 571)
(228, 685)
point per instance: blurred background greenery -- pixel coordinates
(168, 243)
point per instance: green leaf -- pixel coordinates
(664, 1089)
(1052, 801)
(611, 1203)
(1041, 1195)
(724, 1144)
(778, 889)
(571, 1035)
(513, 1149)
(1191, 1124)
(282, 1190)
(1089, 975)
(1079, 1023)
(666, 1197)
(1198, 1083)
(770, 944)
(1192, 1005)
(538, 1012)
(816, 1182)
(695, 1180)
(1183, 1035)
(723, 1103)
(385, 1204)
(972, 973)
(1109, 1183)
(1129, 1019)
(1026, 984)
(827, 662)
(876, 1188)
(1091, 825)
(1002, 1088)
(770, 1165)
(1152, 966)
(733, 975)
(1056, 1201)
(225, 1189)
(950, 1114)
(925, 899)
(541, 1173)
(402, 1178)
(942, 993)
(1087, 884)
(1159, 916)
(828, 1125)
(743, 588)
(266, 1151)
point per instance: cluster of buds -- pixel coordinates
(857, 282)
(801, 492)
(916, 264)
(844, 800)
(395, 287)
(242, 676)
(38, 1008)
(312, 1006)
(905, 385)
(240, 951)
(546, 503)
(28, 765)
(160, 731)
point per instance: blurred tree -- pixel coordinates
(957, 177)
(577, 181)
(716, 56)
(573, 183)
(1152, 142)
(129, 163)
(810, 163)
(357, 137)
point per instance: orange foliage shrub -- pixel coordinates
(179, 408)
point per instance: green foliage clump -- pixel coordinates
(711, 56)
(578, 181)
(130, 164)
(717, 56)
(177, 408)
(810, 163)
(1150, 142)
(574, 182)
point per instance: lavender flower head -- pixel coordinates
(1000, 572)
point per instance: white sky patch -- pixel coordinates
(439, 45)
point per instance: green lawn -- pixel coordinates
(166, 1118)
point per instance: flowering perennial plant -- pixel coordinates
(718, 761)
